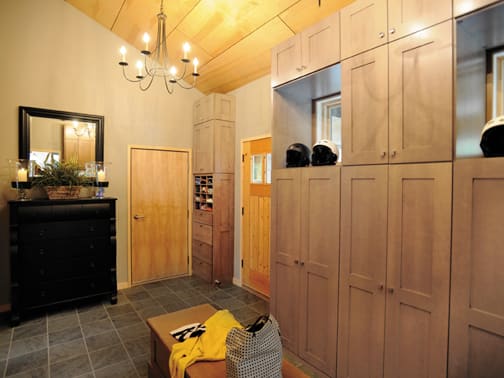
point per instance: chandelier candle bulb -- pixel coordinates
(146, 39)
(122, 50)
(22, 175)
(139, 65)
(186, 47)
(195, 63)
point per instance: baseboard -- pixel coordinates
(5, 307)
(123, 285)
(237, 281)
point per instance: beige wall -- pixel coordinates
(55, 57)
(253, 119)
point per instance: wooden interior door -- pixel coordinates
(363, 262)
(159, 214)
(256, 200)
(418, 270)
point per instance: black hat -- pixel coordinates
(492, 137)
(298, 155)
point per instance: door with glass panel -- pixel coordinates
(256, 205)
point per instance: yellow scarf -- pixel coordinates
(210, 346)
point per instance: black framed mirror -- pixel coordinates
(53, 134)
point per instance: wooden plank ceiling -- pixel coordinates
(231, 38)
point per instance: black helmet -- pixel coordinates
(492, 137)
(298, 155)
(325, 152)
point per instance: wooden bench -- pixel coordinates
(162, 342)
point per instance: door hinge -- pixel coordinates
(242, 263)
(243, 210)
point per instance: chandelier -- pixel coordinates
(156, 62)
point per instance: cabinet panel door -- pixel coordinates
(319, 266)
(418, 270)
(203, 144)
(409, 16)
(477, 312)
(224, 146)
(420, 103)
(364, 103)
(320, 44)
(363, 26)
(286, 61)
(461, 7)
(285, 249)
(202, 109)
(363, 263)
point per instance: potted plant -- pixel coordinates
(61, 180)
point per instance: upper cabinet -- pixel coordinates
(461, 7)
(214, 106)
(366, 24)
(312, 49)
(397, 100)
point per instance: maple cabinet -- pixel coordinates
(397, 101)
(213, 145)
(461, 7)
(214, 106)
(314, 48)
(366, 24)
(477, 297)
(305, 262)
(395, 270)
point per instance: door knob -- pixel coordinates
(136, 216)
(296, 262)
(381, 286)
(391, 290)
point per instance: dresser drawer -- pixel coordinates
(202, 269)
(64, 290)
(67, 212)
(47, 250)
(203, 217)
(202, 232)
(202, 251)
(63, 230)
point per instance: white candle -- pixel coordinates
(146, 39)
(122, 50)
(22, 175)
(186, 47)
(195, 63)
(101, 176)
(139, 65)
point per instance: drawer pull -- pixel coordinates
(43, 293)
(92, 264)
(41, 252)
(91, 246)
(42, 272)
(41, 232)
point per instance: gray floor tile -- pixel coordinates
(5, 335)
(153, 285)
(175, 306)
(65, 335)
(62, 322)
(149, 302)
(159, 291)
(108, 356)
(134, 332)
(150, 312)
(4, 350)
(126, 320)
(65, 351)
(168, 299)
(2, 367)
(138, 296)
(196, 300)
(244, 314)
(219, 294)
(102, 340)
(248, 298)
(93, 315)
(230, 303)
(118, 310)
(41, 372)
(95, 328)
(137, 347)
(142, 365)
(28, 345)
(120, 370)
(72, 367)
(261, 306)
(29, 330)
(26, 362)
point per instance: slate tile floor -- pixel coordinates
(102, 340)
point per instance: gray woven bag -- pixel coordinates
(255, 354)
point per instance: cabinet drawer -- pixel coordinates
(202, 269)
(202, 232)
(203, 217)
(64, 290)
(63, 230)
(202, 251)
(67, 212)
(61, 248)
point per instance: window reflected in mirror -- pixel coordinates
(495, 82)
(327, 120)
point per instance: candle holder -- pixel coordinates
(20, 175)
(101, 178)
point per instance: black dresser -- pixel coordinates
(60, 251)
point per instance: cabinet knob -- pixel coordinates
(381, 34)
(381, 286)
(392, 31)
(91, 228)
(301, 263)
(393, 153)
(391, 290)
(41, 232)
(299, 69)
(41, 252)
(296, 262)
(383, 154)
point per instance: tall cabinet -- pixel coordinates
(305, 265)
(213, 188)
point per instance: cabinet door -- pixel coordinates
(477, 301)
(286, 61)
(203, 144)
(223, 107)
(320, 44)
(364, 104)
(409, 16)
(420, 103)
(202, 110)
(223, 137)
(285, 249)
(418, 270)
(319, 266)
(461, 7)
(363, 263)
(363, 26)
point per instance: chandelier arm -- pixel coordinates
(167, 85)
(127, 78)
(191, 86)
(143, 89)
(146, 66)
